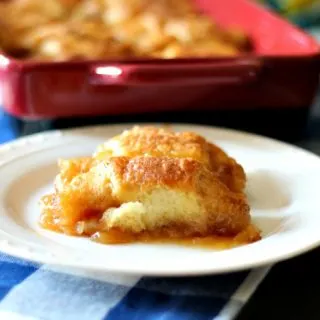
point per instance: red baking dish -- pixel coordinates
(283, 72)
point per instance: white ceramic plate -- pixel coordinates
(283, 188)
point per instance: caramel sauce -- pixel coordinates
(116, 237)
(208, 242)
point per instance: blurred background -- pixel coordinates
(249, 111)
(304, 13)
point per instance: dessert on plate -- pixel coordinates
(152, 184)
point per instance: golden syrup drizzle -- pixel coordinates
(210, 242)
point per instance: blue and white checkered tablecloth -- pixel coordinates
(40, 292)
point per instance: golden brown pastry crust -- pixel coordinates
(160, 142)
